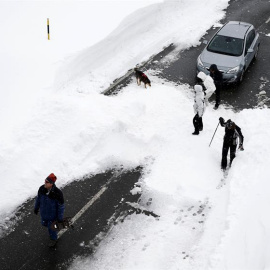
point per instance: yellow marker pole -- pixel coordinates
(48, 28)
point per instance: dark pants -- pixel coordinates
(225, 150)
(53, 234)
(218, 90)
(197, 123)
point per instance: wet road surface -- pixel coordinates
(180, 66)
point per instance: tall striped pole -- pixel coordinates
(48, 28)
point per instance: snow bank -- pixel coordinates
(142, 34)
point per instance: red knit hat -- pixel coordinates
(51, 178)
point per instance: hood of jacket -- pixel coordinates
(201, 75)
(198, 89)
(213, 67)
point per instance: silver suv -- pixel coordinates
(232, 49)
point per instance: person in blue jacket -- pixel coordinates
(50, 202)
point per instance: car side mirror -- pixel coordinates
(250, 51)
(205, 41)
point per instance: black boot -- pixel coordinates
(200, 123)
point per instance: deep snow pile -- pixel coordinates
(200, 226)
(137, 38)
(70, 129)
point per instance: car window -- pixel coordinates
(249, 40)
(226, 45)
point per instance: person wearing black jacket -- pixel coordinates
(232, 133)
(218, 81)
(50, 202)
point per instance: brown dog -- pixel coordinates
(141, 77)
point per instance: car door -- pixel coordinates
(249, 49)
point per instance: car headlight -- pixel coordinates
(199, 62)
(233, 70)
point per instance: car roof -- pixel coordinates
(235, 29)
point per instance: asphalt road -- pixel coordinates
(180, 67)
(25, 247)
(257, 76)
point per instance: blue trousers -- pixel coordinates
(47, 223)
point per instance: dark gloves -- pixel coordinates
(241, 148)
(36, 211)
(221, 121)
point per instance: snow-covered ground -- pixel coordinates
(54, 119)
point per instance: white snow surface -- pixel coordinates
(54, 119)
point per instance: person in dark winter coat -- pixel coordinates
(199, 108)
(50, 202)
(218, 81)
(232, 133)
